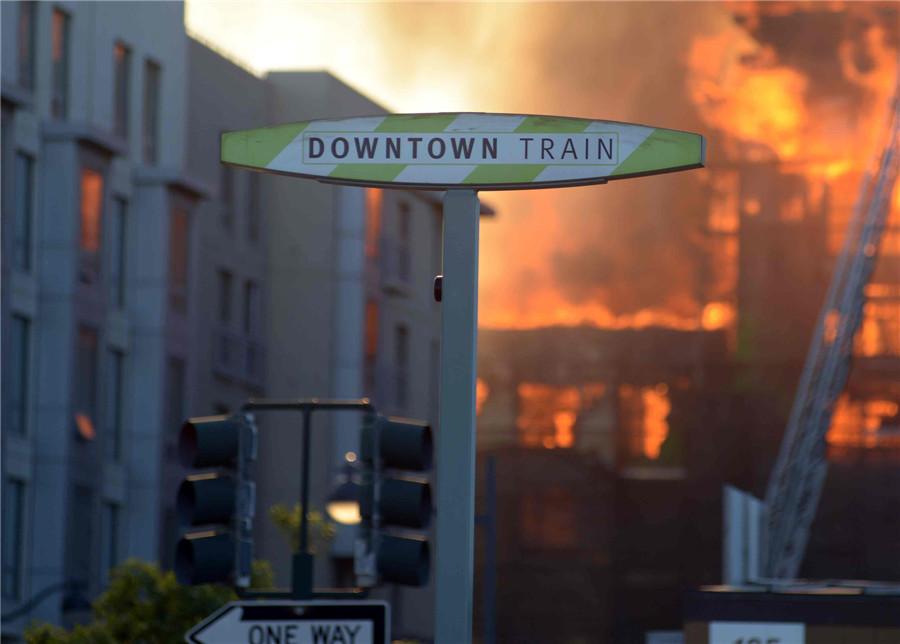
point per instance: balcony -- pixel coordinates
(239, 357)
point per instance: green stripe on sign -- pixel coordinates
(258, 148)
(416, 123)
(663, 149)
(368, 171)
(504, 173)
(552, 125)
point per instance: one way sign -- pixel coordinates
(287, 622)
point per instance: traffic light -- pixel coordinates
(221, 501)
(392, 502)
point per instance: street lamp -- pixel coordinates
(343, 503)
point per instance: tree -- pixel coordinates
(287, 520)
(144, 605)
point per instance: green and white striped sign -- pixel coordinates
(478, 151)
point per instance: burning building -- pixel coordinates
(618, 435)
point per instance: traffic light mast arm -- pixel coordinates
(302, 572)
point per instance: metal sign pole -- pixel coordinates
(456, 439)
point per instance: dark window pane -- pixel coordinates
(175, 386)
(401, 350)
(114, 383)
(404, 256)
(26, 44)
(118, 252)
(227, 188)
(225, 281)
(150, 129)
(24, 196)
(252, 311)
(178, 260)
(253, 206)
(16, 372)
(109, 542)
(59, 100)
(13, 520)
(81, 533)
(122, 62)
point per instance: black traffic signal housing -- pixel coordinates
(220, 502)
(394, 504)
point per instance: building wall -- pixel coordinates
(87, 504)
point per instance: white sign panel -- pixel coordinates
(756, 633)
(286, 622)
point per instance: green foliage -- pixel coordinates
(144, 605)
(321, 531)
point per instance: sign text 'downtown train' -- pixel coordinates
(596, 148)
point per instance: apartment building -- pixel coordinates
(98, 261)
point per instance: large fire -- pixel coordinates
(798, 87)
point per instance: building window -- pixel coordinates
(109, 542)
(253, 207)
(227, 188)
(225, 281)
(121, 91)
(252, 310)
(374, 200)
(91, 224)
(81, 533)
(13, 524)
(401, 351)
(16, 373)
(114, 379)
(371, 346)
(118, 252)
(404, 256)
(175, 389)
(24, 211)
(59, 98)
(26, 44)
(86, 383)
(178, 260)
(150, 129)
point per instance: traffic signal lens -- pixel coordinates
(211, 441)
(203, 558)
(405, 444)
(206, 498)
(405, 502)
(403, 560)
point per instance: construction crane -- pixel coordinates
(799, 475)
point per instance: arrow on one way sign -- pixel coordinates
(286, 622)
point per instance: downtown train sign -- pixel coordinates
(464, 150)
